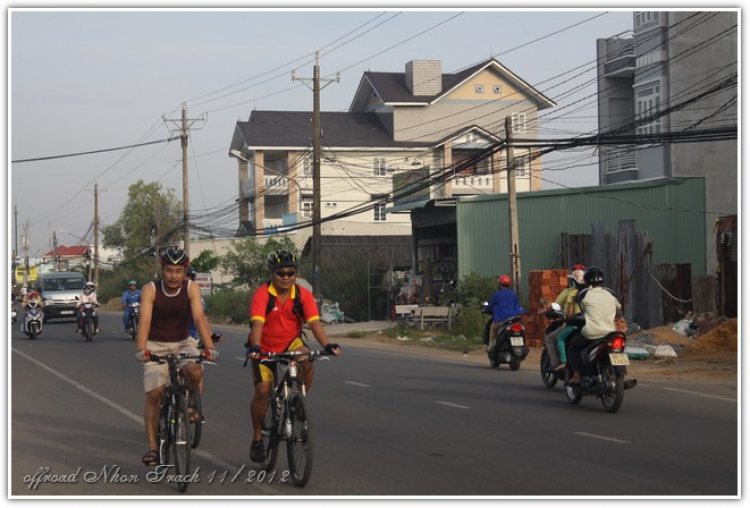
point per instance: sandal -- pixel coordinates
(151, 459)
(195, 416)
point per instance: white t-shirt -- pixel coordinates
(599, 306)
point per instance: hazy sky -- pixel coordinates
(83, 81)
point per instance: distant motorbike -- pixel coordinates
(13, 313)
(603, 372)
(88, 328)
(511, 345)
(33, 319)
(133, 319)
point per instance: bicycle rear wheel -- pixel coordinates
(197, 405)
(269, 432)
(180, 443)
(299, 444)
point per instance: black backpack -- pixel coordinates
(297, 301)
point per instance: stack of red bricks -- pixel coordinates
(547, 285)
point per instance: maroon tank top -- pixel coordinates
(171, 316)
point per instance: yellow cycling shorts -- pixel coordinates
(263, 370)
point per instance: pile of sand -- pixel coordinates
(723, 337)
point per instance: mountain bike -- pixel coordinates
(174, 433)
(287, 418)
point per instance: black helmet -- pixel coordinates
(174, 256)
(282, 259)
(190, 272)
(593, 276)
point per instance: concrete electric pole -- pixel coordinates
(316, 88)
(515, 255)
(184, 126)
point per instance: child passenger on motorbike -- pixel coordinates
(555, 341)
(503, 305)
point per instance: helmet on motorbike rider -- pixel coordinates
(132, 283)
(88, 287)
(594, 276)
(504, 281)
(282, 259)
(33, 294)
(577, 277)
(190, 272)
(174, 256)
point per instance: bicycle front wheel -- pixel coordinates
(269, 432)
(180, 444)
(299, 443)
(197, 427)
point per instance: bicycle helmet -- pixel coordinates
(190, 272)
(504, 281)
(174, 256)
(593, 276)
(577, 276)
(282, 259)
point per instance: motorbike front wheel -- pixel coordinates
(89, 331)
(33, 332)
(612, 399)
(548, 378)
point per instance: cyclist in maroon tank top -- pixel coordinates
(167, 307)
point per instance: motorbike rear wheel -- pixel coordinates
(548, 378)
(613, 398)
(515, 363)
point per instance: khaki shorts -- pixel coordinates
(157, 375)
(264, 372)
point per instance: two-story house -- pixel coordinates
(670, 60)
(400, 127)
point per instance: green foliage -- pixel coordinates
(205, 262)
(473, 290)
(344, 280)
(113, 283)
(131, 233)
(478, 287)
(247, 259)
(230, 305)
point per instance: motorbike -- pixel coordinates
(604, 366)
(13, 313)
(133, 319)
(511, 345)
(88, 328)
(33, 319)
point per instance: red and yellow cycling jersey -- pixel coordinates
(282, 325)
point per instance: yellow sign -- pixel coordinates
(21, 269)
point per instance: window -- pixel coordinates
(332, 206)
(307, 167)
(306, 207)
(645, 18)
(522, 165)
(647, 104)
(379, 167)
(518, 122)
(379, 212)
(479, 88)
(497, 89)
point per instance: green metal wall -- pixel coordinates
(670, 210)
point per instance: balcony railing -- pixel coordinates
(621, 158)
(273, 186)
(477, 184)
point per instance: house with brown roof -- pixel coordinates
(401, 128)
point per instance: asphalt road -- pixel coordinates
(386, 423)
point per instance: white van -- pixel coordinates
(58, 291)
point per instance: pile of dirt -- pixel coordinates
(721, 338)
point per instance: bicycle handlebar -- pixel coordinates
(182, 356)
(289, 355)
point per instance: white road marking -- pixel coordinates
(136, 418)
(701, 394)
(357, 384)
(603, 438)
(451, 404)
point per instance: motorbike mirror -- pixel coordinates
(485, 304)
(556, 307)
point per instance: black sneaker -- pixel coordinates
(257, 453)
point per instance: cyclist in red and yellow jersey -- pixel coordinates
(277, 311)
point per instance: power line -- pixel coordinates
(51, 157)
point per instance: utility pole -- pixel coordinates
(316, 250)
(55, 252)
(26, 254)
(184, 126)
(515, 255)
(96, 234)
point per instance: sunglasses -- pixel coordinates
(282, 275)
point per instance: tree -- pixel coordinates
(206, 261)
(132, 232)
(247, 259)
